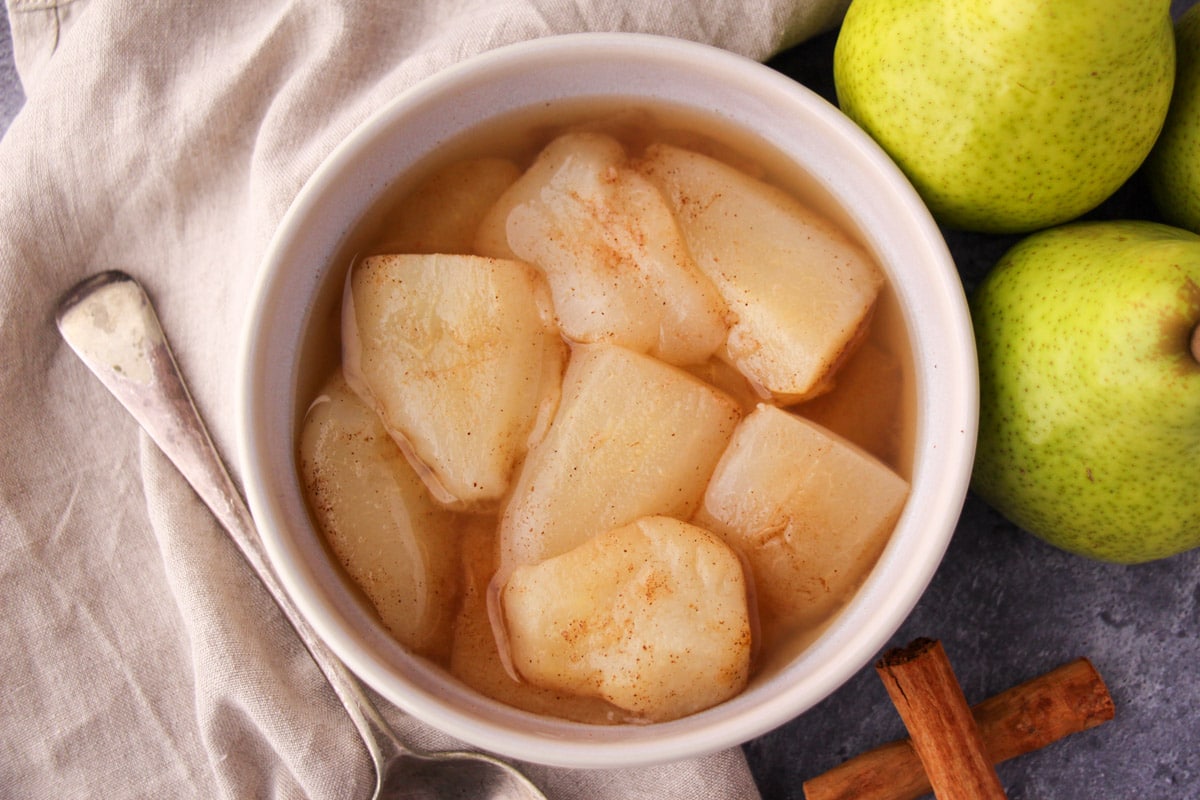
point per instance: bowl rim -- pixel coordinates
(900, 577)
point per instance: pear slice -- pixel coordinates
(443, 211)
(461, 358)
(609, 244)
(810, 512)
(800, 293)
(632, 437)
(393, 540)
(651, 616)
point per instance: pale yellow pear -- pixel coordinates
(1089, 429)
(1012, 116)
(1173, 169)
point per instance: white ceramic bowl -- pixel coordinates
(861, 187)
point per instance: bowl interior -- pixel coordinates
(836, 167)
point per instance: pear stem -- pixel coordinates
(1194, 344)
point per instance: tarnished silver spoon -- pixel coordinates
(109, 322)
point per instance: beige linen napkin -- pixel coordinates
(138, 657)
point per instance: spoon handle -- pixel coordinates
(110, 323)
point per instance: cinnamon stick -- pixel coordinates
(1066, 700)
(923, 688)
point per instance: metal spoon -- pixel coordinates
(109, 322)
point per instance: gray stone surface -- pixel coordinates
(1007, 608)
(12, 97)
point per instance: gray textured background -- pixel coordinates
(1007, 608)
(11, 96)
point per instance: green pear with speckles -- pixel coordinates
(1009, 116)
(1089, 432)
(1173, 169)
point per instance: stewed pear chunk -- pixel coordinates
(651, 616)
(609, 244)
(441, 214)
(632, 437)
(810, 511)
(393, 540)
(461, 358)
(799, 292)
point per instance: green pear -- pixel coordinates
(1173, 170)
(1009, 116)
(1089, 433)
